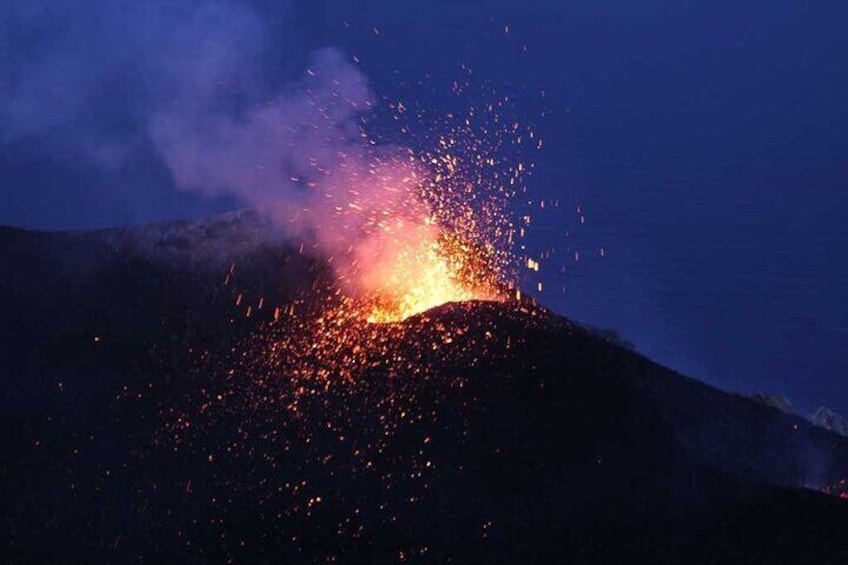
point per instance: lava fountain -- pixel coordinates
(406, 222)
(406, 232)
(424, 275)
(411, 263)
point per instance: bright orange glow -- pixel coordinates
(421, 277)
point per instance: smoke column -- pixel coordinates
(192, 83)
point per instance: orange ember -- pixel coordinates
(839, 489)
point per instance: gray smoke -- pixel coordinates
(207, 88)
(89, 77)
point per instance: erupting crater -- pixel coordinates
(423, 279)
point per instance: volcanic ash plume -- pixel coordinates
(199, 86)
(305, 159)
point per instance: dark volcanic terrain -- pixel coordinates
(169, 396)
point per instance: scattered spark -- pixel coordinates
(325, 383)
(838, 489)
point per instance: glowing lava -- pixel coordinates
(412, 263)
(423, 277)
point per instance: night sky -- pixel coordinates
(705, 144)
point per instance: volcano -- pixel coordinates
(172, 394)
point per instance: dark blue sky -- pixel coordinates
(706, 142)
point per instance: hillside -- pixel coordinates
(169, 396)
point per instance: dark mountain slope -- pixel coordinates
(476, 432)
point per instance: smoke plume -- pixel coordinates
(202, 85)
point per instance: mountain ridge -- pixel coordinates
(148, 417)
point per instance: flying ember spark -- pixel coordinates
(327, 382)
